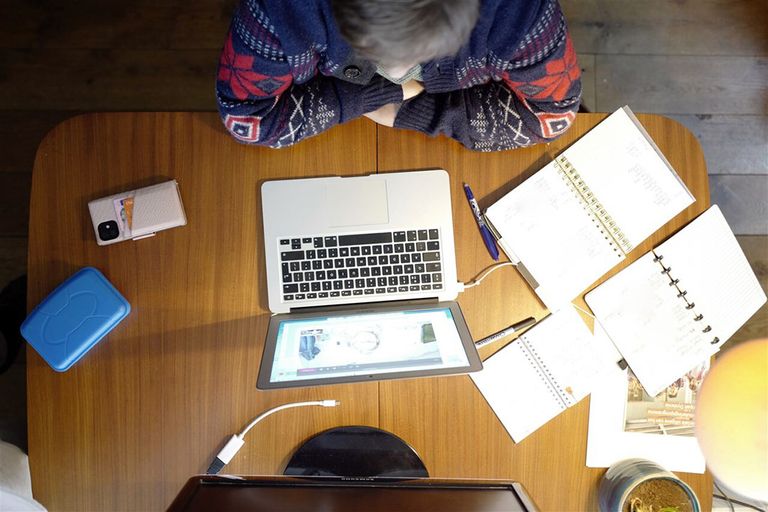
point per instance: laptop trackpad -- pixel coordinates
(356, 202)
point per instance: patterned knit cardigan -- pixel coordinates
(286, 74)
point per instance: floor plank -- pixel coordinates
(15, 188)
(160, 80)
(13, 259)
(743, 200)
(21, 133)
(756, 250)
(136, 24)
(588, 96)
(733, 144)
(682, 84)
(663, 27)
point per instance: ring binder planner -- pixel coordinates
(676, 305)
(682, 294)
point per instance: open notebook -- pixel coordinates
(676, 305)
(579, 216)
(540, 374)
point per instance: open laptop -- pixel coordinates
(361, 274)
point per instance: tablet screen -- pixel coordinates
(361, 345)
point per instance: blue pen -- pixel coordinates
(488, 239)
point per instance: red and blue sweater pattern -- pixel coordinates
(286, 74)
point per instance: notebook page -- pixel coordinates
(516, 390)
(519, 390)
(545, 226)
(565, 345)
(633, 182)
(649, 324)
(707, 259)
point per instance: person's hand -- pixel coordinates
(384, 115)
(411, 88)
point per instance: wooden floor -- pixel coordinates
(702, 62)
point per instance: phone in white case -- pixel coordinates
(137, 214)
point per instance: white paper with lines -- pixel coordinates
(663, 328)
(547, 224)
(539, 375)
(629, 175)
(544, 225)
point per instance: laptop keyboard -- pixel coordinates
(389, 262)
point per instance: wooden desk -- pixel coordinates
(150, 405)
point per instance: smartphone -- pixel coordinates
(137, 214)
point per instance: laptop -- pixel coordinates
(361, 277)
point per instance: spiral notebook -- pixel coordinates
(540, 374)
(576, 218)
(676, 305)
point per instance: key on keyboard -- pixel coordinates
(389, 262)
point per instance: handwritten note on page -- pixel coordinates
(667, 315)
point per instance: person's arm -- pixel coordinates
(385, 115)
(261, 103)
(535, 101)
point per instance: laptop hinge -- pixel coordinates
(365, 305)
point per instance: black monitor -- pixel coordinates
(205, 493)
(351, 469)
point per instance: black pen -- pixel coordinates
(504, 332)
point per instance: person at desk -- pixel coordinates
(491, 74)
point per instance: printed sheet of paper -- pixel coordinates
(626, 422)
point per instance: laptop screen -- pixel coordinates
(355, 344)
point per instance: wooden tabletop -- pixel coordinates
(151, 404)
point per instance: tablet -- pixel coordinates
(366, 342)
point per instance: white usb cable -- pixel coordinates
(476, 281)
(236, 441)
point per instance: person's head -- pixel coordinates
(402, 33)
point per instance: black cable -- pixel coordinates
(727, 498)
(742, 503)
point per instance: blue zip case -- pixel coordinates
(74, 317)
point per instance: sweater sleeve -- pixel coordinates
(268, 98)
(535, 99)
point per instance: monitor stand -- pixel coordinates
(356, 452)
